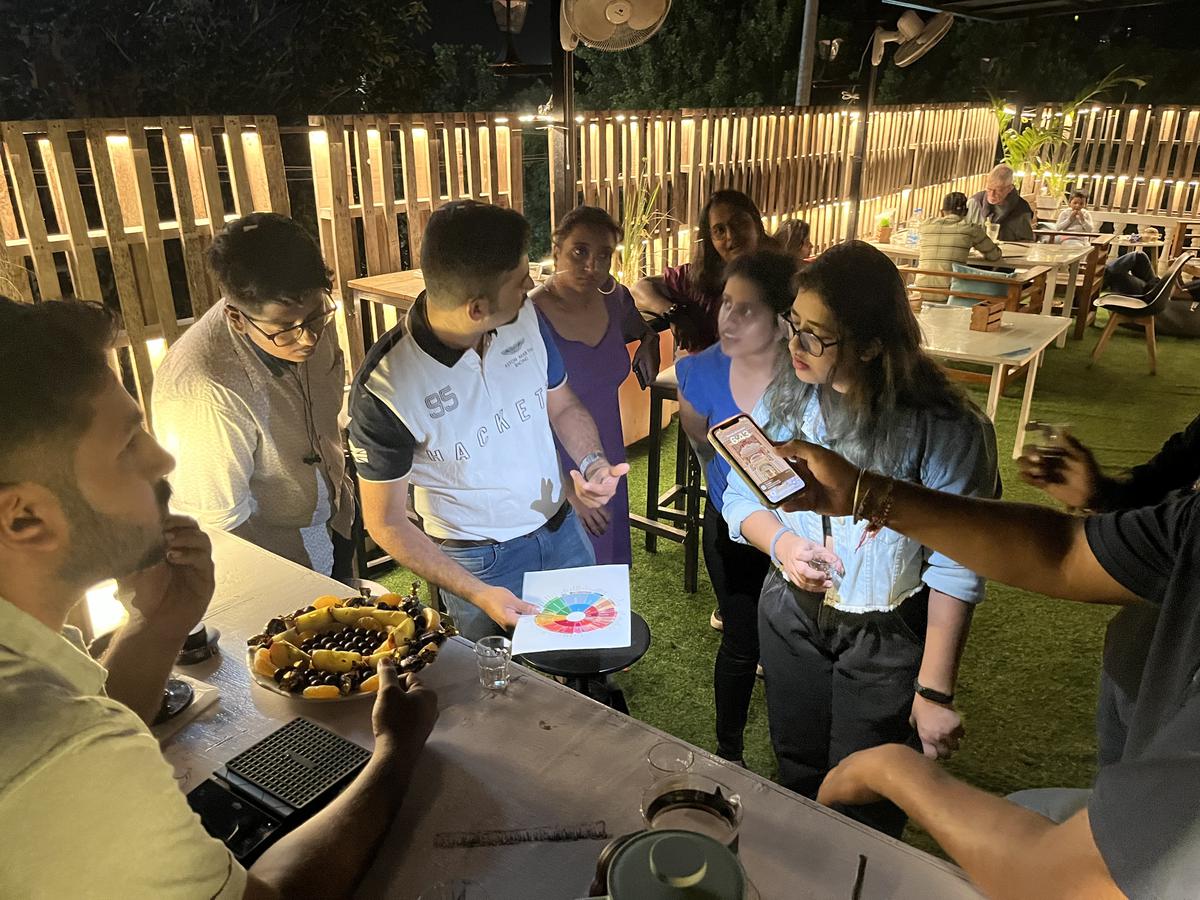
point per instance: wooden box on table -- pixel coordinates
(986, 315)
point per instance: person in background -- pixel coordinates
(88, 805)
(999, 203)
(715, 384)
(861, 639)
(688, 296)
(1134, 833)
(591, 317)
(463, 399)
(949, 239)
(1075, 217)
(1071, 475)
(248, 399)
(794, 238)
(1131, 274)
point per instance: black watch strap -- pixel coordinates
(931, 695)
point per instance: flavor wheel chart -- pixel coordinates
(577, 612)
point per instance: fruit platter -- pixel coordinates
(331, 649)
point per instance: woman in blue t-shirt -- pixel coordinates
(727, 378)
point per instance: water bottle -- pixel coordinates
(914, 227)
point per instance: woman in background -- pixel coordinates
(794, 238)
(948, 239)
(591, 317)
(689, 296)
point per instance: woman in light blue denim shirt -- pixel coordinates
(868, 652)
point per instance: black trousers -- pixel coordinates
(837, 683)
(736, 571)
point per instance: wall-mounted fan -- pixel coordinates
(610, 24)
(915, 36)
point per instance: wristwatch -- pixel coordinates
(931, 695)
(589, 461)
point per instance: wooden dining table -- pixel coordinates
(1059, 258)
(518, 791)
(1021, 341)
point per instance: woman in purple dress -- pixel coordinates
(592, 316)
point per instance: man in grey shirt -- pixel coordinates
(1137, 835)
(1000, 204)
(249, 399)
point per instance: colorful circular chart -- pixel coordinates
(577, 612)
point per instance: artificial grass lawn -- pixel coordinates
(1027, 690)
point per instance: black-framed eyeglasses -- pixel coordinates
(314, 325)
(809, 342)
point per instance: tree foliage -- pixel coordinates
(66, 58)
(734, 53)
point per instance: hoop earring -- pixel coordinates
(613, 289)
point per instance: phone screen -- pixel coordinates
(758, 460)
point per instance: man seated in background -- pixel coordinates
(1000, 204)
(1134, 834)
(463, 400)
(248, 400)
(88, 805)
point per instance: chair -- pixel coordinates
(1024, 291)
(1050, 236)
(1090, 284)
(1140, 311)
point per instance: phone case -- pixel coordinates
(760, 449)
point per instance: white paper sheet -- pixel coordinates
(585, 608)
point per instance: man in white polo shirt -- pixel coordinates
(88, 805)
(462, 400)
(248, 400)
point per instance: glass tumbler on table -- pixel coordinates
(493, 654)
(669, 758)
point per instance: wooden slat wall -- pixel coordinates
(1136, 158)
(794, 162)
(94, 208)
(378, 177)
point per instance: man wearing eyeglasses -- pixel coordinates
(248, 400)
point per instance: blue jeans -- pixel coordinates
(505, 565)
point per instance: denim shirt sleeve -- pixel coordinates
(959, 458)
(738, 504)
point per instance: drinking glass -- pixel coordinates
(493, 654)
(669, 758)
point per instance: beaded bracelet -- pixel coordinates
(876, 517)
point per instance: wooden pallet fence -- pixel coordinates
(794, 162)
(1131, 158)
(378, 178)
(105, 209)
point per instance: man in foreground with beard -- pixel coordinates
(88, 806)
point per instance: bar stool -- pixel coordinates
(675, 513)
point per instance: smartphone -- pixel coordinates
(742, 444)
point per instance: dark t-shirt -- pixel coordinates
(1145, 809)
(1176, 467)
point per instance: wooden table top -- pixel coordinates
(538, 755)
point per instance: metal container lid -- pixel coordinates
(675, 865)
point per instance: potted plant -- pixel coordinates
(883, 233)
